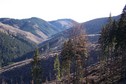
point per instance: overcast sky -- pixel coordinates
(79, 10)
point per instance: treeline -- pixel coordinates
(113, 51)
(70, 65)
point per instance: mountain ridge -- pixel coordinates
(55, 39)
(32, 31)
(9, 30)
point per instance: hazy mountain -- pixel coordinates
(35, 26)
(12, 31)
(63, 24)
(50, 34)
(94, 26)
(27, 32)
(38, 26)
(43, 29)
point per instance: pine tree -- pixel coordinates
(57, 68)
(106, 41)
(36, 69)
(80, 57)
(75, 53)
(121, 44)
(66, 58)
(112, 44)
(113, 61)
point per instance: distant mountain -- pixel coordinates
(63, 24)
(39, 27)
(95, 26)
(92, 28)
(49, 35)
(43, 29)
(25, 33)
(35, 26)
(11, 31)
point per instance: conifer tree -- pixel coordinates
(57, 68)
(36, 69)
(112, 44)
(80, 57)
(66, 58)
(106, 46)
(121, 43)
(75, 53)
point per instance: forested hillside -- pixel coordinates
(12, 47)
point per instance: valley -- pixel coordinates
(65, 38)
